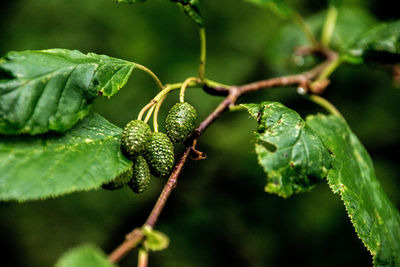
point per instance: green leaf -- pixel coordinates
(280, 50)
(279, 7)
(380, 44)
(84, 256)
(155, 240)
(53, 89)
(375, 219)
(291, 154)
(192, 9)
(42, 166)
(352, 21)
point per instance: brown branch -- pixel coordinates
(233, 93)
(132, 240)
(316, 50)
(396, 75)
(143, 258)
(171, 183)
(302, 79)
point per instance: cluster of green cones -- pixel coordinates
(153, 152)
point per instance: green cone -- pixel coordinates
(119, 181)
(160, 154)
(180, 122)
(135, 137)
(141, 176)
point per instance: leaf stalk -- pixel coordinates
(329, 25)
(203, 52)
(325, 104)
(152, 74)
(306, 29)
(184, 86)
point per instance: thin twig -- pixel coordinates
(132, 240)
(326, 104)
(143, 258)
(171, 183)
(203, 48)
(305, 28)
(152, 74)
(155, 116)
(302, 79)
(329, 25)
(145, 108)
(146, 120)
(184, 87)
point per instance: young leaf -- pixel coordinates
(155, 240)
(83, 158)
(291, 154)
(192, 9)
(380, 44)
(375, 219)
(84, 256)
(53, 89)
(280, 7)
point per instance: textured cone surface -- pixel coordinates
(160, 154)
(135, 137)
(119, 181)
(180, 122)
(141, 176)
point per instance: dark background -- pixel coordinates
(219, 214)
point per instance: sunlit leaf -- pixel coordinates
(42, 166)
(291, 154)
(375, 219)
(53, 89)
(84, 256)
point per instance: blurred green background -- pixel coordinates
(219, 214)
